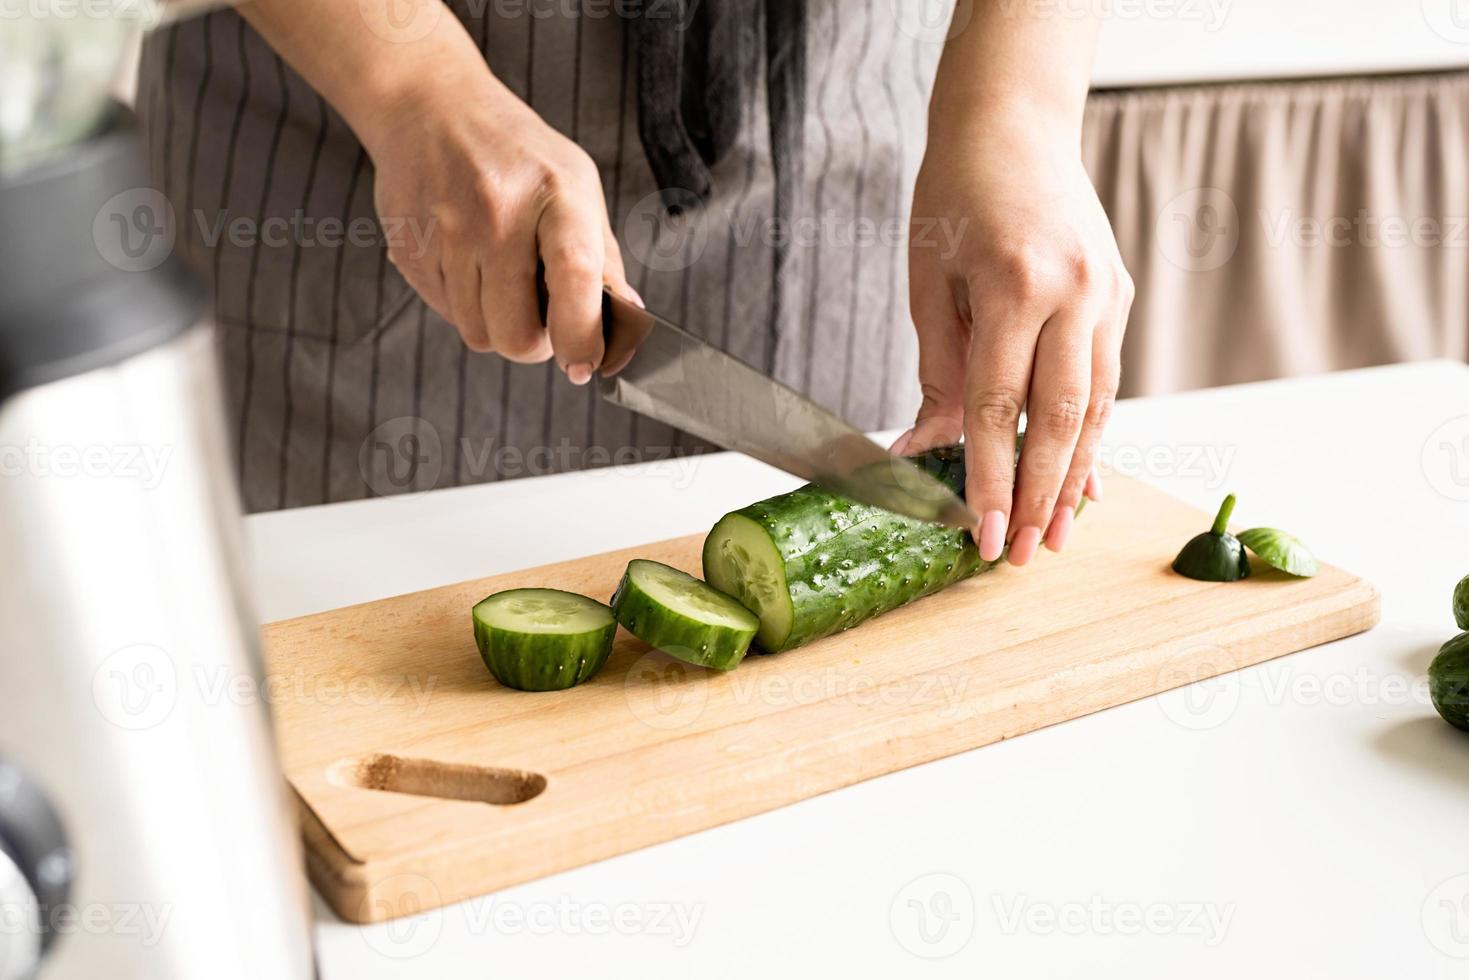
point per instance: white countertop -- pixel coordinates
(1303, 818)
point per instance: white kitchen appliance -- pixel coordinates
(145, 831)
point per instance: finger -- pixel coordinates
(1093, 489)
(1059, 391)
(1082, 476)
(571, 245)
(1000, 358)
(463, 288)
(943, 342)
(625, 340)
(508, 300)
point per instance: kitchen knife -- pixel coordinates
(676, 378)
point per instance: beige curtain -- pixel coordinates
(1287, 228)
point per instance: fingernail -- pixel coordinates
(901, 443)
(1060, 528)
(1093, 486)
(636, 298)
(992, 535)
(579, 373)
(1022, 549)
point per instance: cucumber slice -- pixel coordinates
(685, 618)
(543, 639)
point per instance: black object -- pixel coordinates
(33, 839)
(87, 274)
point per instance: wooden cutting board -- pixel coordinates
(422, 781)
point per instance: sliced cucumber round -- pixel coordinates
(741, 559)
(685, 618)
(543, 639)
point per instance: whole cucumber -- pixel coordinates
(811, 563)
(1448, 681)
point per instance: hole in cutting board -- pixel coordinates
(444, 780)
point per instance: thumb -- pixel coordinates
(943, 347)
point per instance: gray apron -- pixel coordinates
(341, 384)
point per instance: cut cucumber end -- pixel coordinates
(682, 616)
(543, 639)
(742, 561)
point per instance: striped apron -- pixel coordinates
(341, 384)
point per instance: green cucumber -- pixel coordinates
(685, 618)
(543, 639)
(1216, 555)
(1461, 603)
(1448, 681)
(811, 563)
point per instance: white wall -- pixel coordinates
(1148, 42)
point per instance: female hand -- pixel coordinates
(1028, 311)
(488, 189)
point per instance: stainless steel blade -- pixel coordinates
(679, 380)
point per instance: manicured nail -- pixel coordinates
(1060, 528)
(1022, 549)
(1093, 488)
(579, 373)
(901, 443)
(633, 295)
(992, 535)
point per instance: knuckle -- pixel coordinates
(1081, 270)
(1100, 410)
(1063, 416)
(994, 412)
(1023, 273)
(1126, 287)
(573, 260)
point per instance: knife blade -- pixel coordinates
(677, 379)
